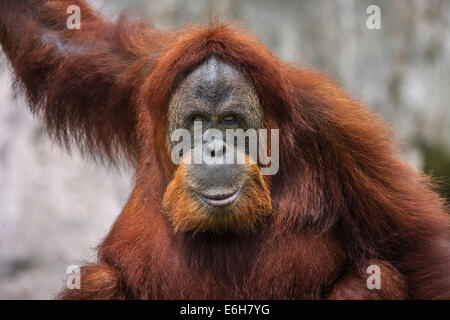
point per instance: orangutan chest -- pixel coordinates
(288, 267)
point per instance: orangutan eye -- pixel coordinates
(197, 117)
(229, 119)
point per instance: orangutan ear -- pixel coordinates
(83, 82)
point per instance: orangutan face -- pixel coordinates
(215, 194)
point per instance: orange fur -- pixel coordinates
(189, 214)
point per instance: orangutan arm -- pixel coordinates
(353, 284)
(98, 282)
(83, 81)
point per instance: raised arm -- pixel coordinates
(83, 82)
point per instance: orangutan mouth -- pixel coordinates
(220, 200)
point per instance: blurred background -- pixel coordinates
(55, 208)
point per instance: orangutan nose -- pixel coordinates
(215, 149)
(214, 180)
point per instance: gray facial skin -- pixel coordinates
(221, 98)
(213, 90)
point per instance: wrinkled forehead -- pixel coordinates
(214, 80)
(211, 86)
